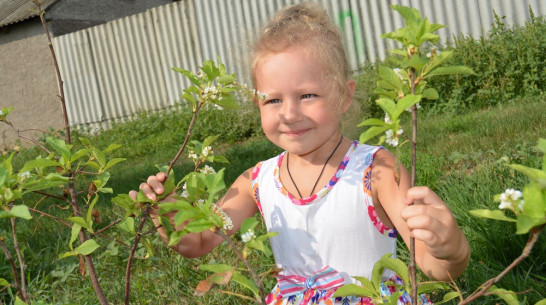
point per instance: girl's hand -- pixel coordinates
(431, 221)
(151, 189)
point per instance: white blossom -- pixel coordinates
(208, 170)
(248, 236)
(398, 72)
(206, 151)
(24, 176)
(511, 199)
(226, 220)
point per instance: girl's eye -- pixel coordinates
(273, 101)
(309, 95)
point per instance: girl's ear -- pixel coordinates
(351, 87)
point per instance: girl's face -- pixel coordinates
(299, 114)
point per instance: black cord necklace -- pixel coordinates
(320, 175)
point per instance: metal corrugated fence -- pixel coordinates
(113, 70)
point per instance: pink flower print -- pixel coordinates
(367, 181)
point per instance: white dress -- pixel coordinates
(326, 239)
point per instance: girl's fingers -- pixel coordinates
(156, 183)
(424, 195)
(133, 194)
(148, 191)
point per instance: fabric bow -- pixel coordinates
(326, 278)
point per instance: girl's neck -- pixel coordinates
(319, 155)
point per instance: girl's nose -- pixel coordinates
(290, 112)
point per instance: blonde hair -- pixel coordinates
(309, 27)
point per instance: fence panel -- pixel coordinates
(115, 69)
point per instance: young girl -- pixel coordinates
(334, 202)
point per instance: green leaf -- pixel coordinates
(431, 287)
(491, 214)
(216, 268)
(525, 223)
(397, 266)
(248, 224)
(353, 289)
(367, 284)
(79, 154)
(430, 94)
(99, 156)
(448, 297)
(403, 104)
(389, 79)
(80, 221)
(417, 62)
(61, 147)
(18, 301)
(226, 79)
(535, 174)
(128, 225)
(4, 175)
(256, 245)
(17, 211)
(175, 237)
(372, 132)
(190, 75)
(125, 201)
(113, 162)
(247, 283)
(4, 282)
(198, 225)
(90, 212)
(214, 183)
(210, 69)
(373, 122)
(42, 184)
(93, 165)
(508, 296)
(458, 70)
(85, 141)
(38, 163)
(112, 147)
(388, 105)
(74, 233)
(227, 102)
(535, 201)
(87, 247)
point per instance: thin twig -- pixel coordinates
(246, 263)
(9, 257)
(24, 295)
(83, 238)
(52, 217)
(188, 134)
(533, 237)
(52, 196)
(143, 219)
(412, 265)
(57, 71)
(107, 227)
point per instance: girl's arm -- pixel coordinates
(237, 203)
(442, 251)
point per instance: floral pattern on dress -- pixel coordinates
(382, 228)
(255, 186)
(321, 193)
(324, 297)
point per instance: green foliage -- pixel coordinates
(510, 63)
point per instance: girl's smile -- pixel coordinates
(300, 113)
